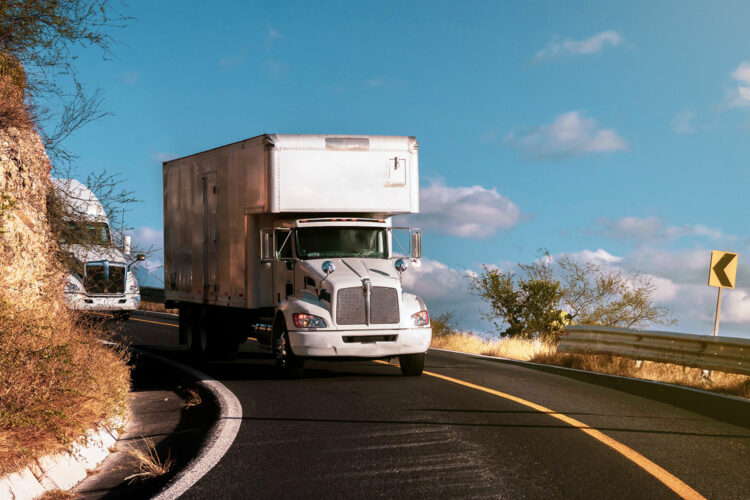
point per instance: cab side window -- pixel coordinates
(284, 244)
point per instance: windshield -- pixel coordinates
(87, 233)
(322, 242)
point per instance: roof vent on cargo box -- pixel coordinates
(348, 143)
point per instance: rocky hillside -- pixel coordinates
(56, 379)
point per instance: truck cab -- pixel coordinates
(100, 278)
(337, 290)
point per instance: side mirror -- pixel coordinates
(416, 244)
(266, 245)
(401, 266)
(328, 267)
(138, 258)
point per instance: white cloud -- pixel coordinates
(273, 34)
(680, 278)
(131, 78)
(232, 61)
(650, 229)
(162, 156)
(569, 47)
(571, 134)
(145, 238)
(467, 212)
(740, 96)
(683, 122)
(444, 289)
(275, 68)
(599, 256)
(149, 240)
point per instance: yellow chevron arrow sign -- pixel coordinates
(723, 270)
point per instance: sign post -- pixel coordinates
(721, 274)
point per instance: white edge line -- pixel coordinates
(621, 377)
(219, 439)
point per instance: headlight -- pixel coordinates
(422, 318)
(71, 287)
(302, 320)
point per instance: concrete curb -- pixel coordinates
(64, 470)
(218, 440)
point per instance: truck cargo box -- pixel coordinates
(216, 201)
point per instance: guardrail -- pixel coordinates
(150, 294)
(726, 354)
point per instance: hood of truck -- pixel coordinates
(350, 271)
(96, 253)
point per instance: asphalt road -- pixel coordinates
(361, 430)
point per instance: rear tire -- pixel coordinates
(196, 334)
(287, 364)
(412, 365)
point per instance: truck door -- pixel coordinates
(210, 239)
(283, 269)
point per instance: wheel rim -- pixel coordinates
(282, 356)
(189, 334)
(203, 338)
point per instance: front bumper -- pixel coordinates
(331, 343)
(84, 302)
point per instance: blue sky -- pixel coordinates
(617, 132)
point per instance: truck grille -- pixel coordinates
(105, 277)
(350, 306)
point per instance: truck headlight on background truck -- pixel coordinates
(422, 318)
(302, 320)
(71, 287)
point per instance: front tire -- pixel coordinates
(287, 364)
(412, 365)
(122, 316)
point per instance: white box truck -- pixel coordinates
(100, 277)
(288, 239)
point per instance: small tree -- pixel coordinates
(39, 35)
(519, 307)
(552, 293)
(596, 296)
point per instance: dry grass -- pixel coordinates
(725, 383)
(194, 399)
(148, 462)
(57, 380)
(525, 350)
(57, 495)
(512, 348)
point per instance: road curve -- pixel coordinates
(361, 430)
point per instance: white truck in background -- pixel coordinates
(288, 239)
(100, 277)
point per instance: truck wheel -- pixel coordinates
(412, 365)
(287, 364)
(122, 316)
(196, 334)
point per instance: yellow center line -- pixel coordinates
(154, 322)
(671, 481)
(141, 320)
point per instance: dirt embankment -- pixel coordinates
(56, 379)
